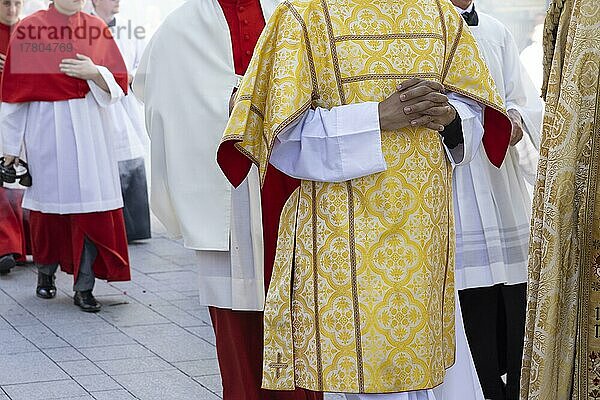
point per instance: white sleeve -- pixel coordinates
(334, 145)
(521, 94)
(139, 80)
(140, 45)
(114, 93)
(13, 120)
(471, 115)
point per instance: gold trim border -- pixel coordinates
(453, 50)
(586, 261)
(313, 70)
(316, 288)
(355, 300)
(390, 36)
(360, 78)
(334, 57)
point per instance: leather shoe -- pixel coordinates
(45, 286)
(7, 262)
(86, 301)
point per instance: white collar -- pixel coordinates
(467, 10)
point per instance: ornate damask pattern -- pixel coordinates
(563, 318)
(362, 293)
(279, 352)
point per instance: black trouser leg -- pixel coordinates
(85, 277)
(136, 209)
(514, 298)
(49, 269)
(480, 315)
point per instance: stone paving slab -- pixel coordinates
(28, 368)
(120, 352)
(113, 395)
(96, 383)
(64, 354)
(151, 341)
(151, 386)
(44, 390)
(134, 365)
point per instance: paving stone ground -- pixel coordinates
(151, 341)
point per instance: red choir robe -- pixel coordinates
(31, 76)
(13, 239)
(12, 226)
(239, 334)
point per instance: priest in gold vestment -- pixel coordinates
(562, 347)
(362, 297)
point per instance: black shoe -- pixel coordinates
(45, 286)
(86, 301)
(7, 262)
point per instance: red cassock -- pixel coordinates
(12, 231)
(32, 74)
(239, 334)
(59, 239)
(12, 227)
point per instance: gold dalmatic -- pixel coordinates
(362, 295)
(562, 344)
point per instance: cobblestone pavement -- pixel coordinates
(151, 341)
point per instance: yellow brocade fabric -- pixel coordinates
(362, 295)
(562, 345)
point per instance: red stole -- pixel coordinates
(41, 41)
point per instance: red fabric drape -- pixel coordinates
(59, 239)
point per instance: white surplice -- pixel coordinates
(69, 147)
(185, 79)
(493, 205)
(344, 143)
(132, 139)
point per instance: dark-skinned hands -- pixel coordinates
(417, 102)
